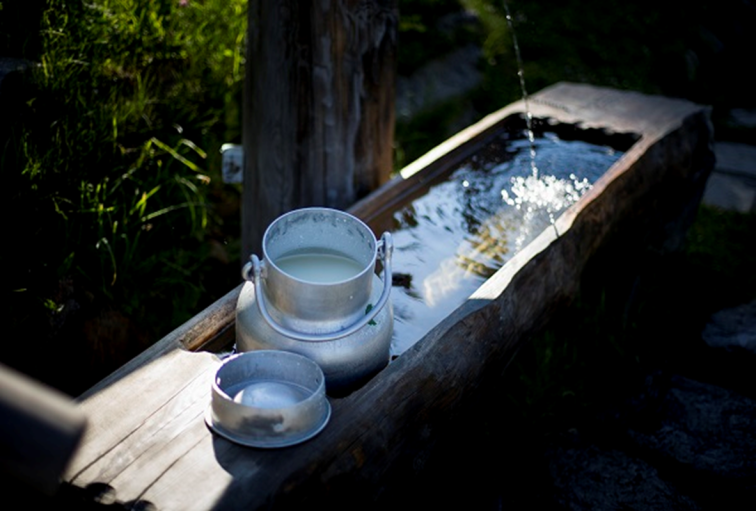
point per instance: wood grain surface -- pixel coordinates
(319, 106)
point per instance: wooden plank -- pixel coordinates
(191, 470)
(150, 386)
(163, 457)
(174, 413)
(121, 411)
(201, 330)
(150, 442)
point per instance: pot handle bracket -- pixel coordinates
(253, 272)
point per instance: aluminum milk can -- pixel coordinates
(316, 293)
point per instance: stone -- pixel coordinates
(442, 79)
(701, 436)
(588, 477)
(676, 444)
(9, 65)
(732, 184)
(735, 327)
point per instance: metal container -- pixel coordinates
(268, 399)
(343, 321)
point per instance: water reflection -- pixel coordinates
(449, 241)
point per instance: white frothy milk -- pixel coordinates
(319, 268)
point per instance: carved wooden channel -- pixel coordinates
(147, 438)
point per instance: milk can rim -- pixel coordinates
(368, 268)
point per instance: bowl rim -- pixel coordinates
(316, 394)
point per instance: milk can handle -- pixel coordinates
(385, 251)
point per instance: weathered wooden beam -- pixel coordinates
(40, 429)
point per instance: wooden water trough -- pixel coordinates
(147, 440)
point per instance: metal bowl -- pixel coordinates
(268, 399)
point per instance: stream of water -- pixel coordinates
(449, 241)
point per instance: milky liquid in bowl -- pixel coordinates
(269, 394)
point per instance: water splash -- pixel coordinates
(528, 115)
(533, 195)
(449, 241)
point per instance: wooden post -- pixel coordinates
(318, 106)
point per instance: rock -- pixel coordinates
(440, 80)
(677, 444)
(734, 327)
(732, 184)
(590, 478)
(743, 117)
(9, 65)
(704, 427)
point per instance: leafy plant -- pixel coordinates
(111, 159)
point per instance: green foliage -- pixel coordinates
(427, 31)
(421, 36)
(424, 131)
(107, 158)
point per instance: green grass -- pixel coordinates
(111, 162)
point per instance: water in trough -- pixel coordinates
(450, 240)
